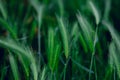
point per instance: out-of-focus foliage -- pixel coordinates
(59, 40)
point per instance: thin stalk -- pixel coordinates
(64, 76)
(40, 14)
(93, 53)
(95, 70)
(107, 9)
(39, 46)
(65, 71)
(39, 9)
(114, 74)
(61, 7)
(92, 58)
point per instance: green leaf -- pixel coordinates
(63, 31)
(95, 12)
(43, 74)
(87, 30)
(3, 11)
(39, 9)
(14, 67)
(53, 50)
(8, 28)
(24, 54)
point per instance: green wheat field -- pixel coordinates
(59, 39)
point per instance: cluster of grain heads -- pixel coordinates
(86, 30)
(63, 30)
(114, 49)
(25, 57)
(89, 34)
(53, 50)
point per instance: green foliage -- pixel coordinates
(8, 28)
(81, 43)
(24, 54)
(114, 48)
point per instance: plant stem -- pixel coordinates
(93, 53)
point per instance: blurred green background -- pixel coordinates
(65, 52)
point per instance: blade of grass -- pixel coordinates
(53, 50)
(95, 12)
(33, 64)
(39, 9)
(3, 72)
(114, 48)
(24, 54)
(82, 67)
(86, 29)
(83, 43)
(107, 9)
(61, 7)
(93, 53)
(115, 57)
(96, 77)
(8, 28)
(74, 29)
(75, 32)
(14, 67)
(43, 74)
(113, 32)
(56, 56)
(50, 47)
(3, 11)
(64, 36)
